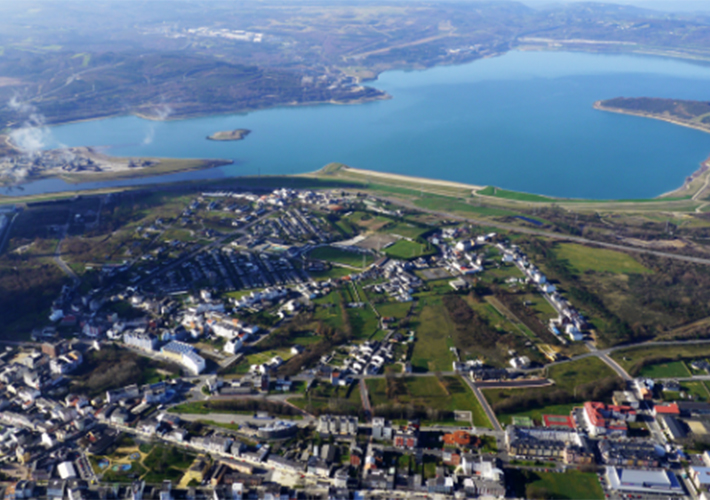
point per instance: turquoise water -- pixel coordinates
(523, 121)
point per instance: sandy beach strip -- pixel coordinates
(407, 178)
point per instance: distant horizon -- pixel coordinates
(661, 5)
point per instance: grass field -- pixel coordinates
(566, 376)
(571, 485)
(433, 339)
(340, 256)
(429, 392)
(665, 370)
(329, 310)
(631, 359)
(325, 396)
(697, 390)
(513, 195)
(405, 249)
(406, 230)
(583, 258)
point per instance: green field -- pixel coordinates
(340, 256)
(406, 230)
(583, 258)
(454, 205)
(405, 249)
(673, 369)
(633, 360)
(397, 310)
(697, 390)
(429, 392)
(433, 339)
(567, 377)
(513, 195)
(325, 396)
(571, 485)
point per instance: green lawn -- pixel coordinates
(405, 249)
(583, 258)
(571, 485)
(429, 392)
(340, 256)
(665, 370)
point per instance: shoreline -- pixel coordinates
(178, 117)
(407, 178)
(599, 106)
(704, 165)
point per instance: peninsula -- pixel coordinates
(693, 114)
(230, 135)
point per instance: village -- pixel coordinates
(284, 360)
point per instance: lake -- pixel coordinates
(523, 121)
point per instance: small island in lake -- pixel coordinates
(230, 135)
(694, 114)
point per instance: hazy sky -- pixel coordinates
(666, 5)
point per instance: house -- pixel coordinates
(457, 438)
(666, 409)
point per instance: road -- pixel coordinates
(58, 257)
(204, 248)
(484, 404)
(547, 234)
(6, 235)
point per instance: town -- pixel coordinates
(330, 344)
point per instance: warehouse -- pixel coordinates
(643, 481)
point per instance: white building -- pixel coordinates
(233, 346)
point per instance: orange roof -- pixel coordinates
(670, 409)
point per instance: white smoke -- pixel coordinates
(160, 112)
(33, 135)
(163, 111)
(150, 135)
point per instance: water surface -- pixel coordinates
(523, 121)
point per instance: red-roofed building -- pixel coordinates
(667, 409)
(457, 438)
(607, 420)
